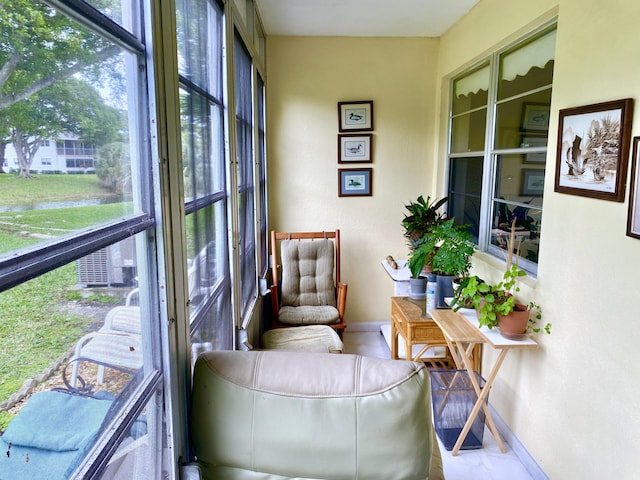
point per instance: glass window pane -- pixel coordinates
(135, 455)
(213, 328)
(85, 126)
(113, 10)
(468, 132)
(199, 32)
(207, 253)
(523, 121)
(81, 329)
(471, 91)
(245, 171)
(262, 160)
(519, 193)
(528, 67)
(202, 142)
(519, 181)
(528, 227)
(465, 188)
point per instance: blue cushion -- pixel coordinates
(57, 421)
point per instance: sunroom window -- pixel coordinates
(246, 175)
(497, 152)
(200, 66)
(80, 376)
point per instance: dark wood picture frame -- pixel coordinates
(596, 168)
(355, 148)
(355, 116)
(355, 182)
(633, 219)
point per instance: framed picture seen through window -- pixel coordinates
(535, 117)
(532, 182)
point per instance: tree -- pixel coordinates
(114, 168)
(40, 51)
(69, 106)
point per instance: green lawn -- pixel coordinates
(22, 228)
(35, 326)
(46, 188)
(18, 229)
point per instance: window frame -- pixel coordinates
(28, 263)
(490, 154)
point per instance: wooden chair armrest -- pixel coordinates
(341, 299)
(275, 301)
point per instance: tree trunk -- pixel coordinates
(25, 151)
(3, 150)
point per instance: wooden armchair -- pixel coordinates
(310, 291)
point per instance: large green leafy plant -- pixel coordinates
(423, 215)
(447, 248)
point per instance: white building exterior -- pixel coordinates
(64, 155)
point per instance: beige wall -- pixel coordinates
(307, 78)
(573, 402)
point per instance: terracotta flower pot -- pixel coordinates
(514, 324)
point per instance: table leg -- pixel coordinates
(481, 401)
(394, 340)
(408, 349)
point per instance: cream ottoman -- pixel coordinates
(310, 338)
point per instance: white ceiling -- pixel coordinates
(362, 18)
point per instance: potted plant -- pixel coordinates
(496, 305)
(448, 248)
(459, 299)
(423, 215)
(417, 282)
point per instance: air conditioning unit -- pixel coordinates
(112, 265)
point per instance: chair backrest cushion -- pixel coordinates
(276, 414)
(307, 273)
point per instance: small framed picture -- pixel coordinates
(535, 157)
(593, 150)
(354, 182)
(532, 182)
(633, 220)
(354, 148)
(355, 116)
(535, 117)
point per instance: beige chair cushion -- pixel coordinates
(311, 338)
(307, 273)
(307, 315)
(292, 415)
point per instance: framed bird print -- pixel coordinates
(354, 182)
(354, 148)
(355, 116)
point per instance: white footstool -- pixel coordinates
(311, 338)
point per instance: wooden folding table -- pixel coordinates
(462, 334)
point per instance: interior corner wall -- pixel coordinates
(307, 77)
(574, 401)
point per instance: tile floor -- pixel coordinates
(486, 463)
